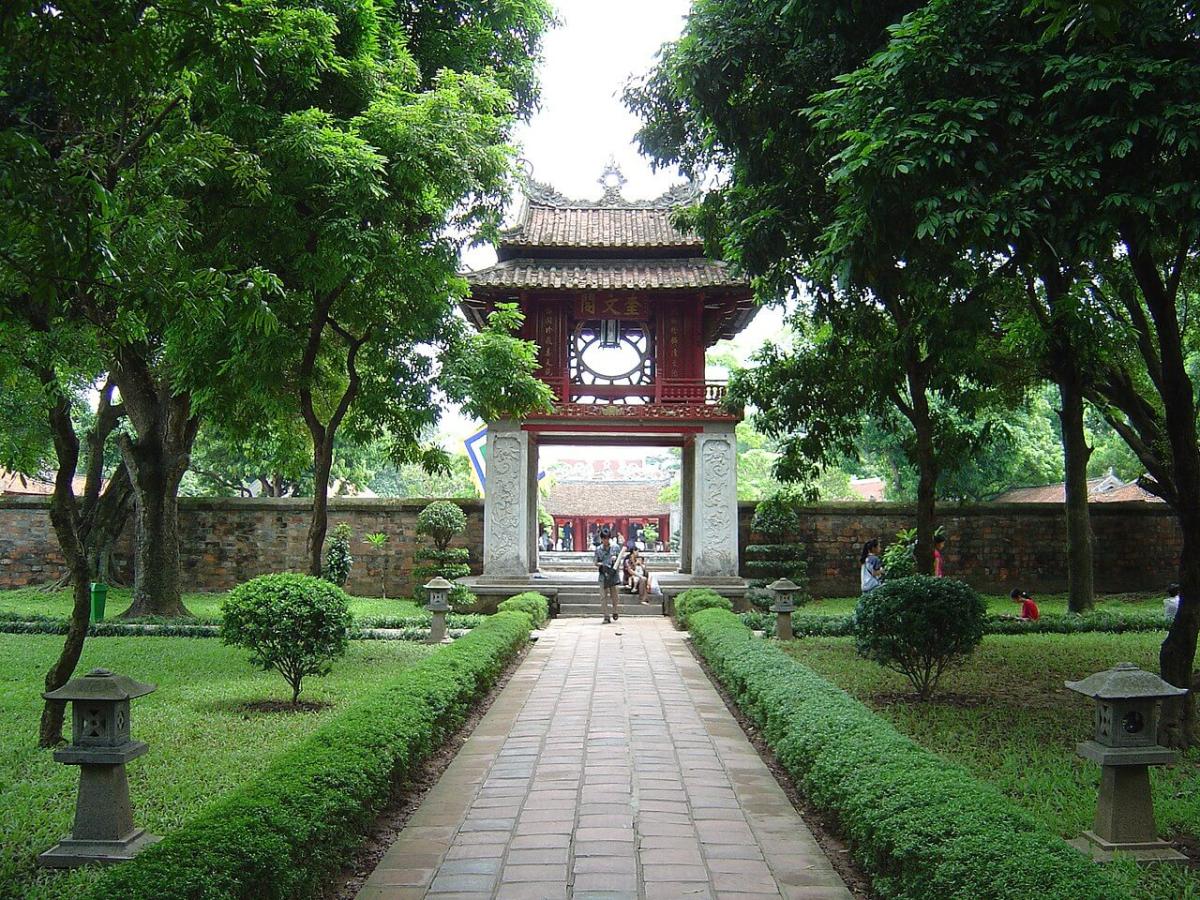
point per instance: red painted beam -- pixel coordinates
(605, 428)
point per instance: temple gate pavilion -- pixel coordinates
(622, 306)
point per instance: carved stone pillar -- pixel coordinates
(714, 523)
(687, 490)
(507, 521)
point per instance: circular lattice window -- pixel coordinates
(612, 352)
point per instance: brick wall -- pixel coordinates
(993, 546)
(227, 541)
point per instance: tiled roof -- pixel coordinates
(1100, 490)
(545, 226)
(609, 499)
(606, 274)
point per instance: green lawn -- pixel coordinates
(1008, 718)
(997, 603)
(205, 607)
(202, 740)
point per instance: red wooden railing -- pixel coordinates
(666, 390)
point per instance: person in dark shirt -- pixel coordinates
(605, 557)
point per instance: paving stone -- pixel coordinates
(608, 767)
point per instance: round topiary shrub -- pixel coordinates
(441, 521)
(919, 626)
(776, 516)
(295, 624)
(693, 600)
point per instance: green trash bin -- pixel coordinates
(99, 595)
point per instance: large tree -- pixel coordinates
(1074, 156)
(729, 98)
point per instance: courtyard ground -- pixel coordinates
(205, 735)
(1007, 717)
(608, 766)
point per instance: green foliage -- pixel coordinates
(531, 603)
(899, 559)
(1096, 621)
(337, 555)
(918, 825)
(207, 736)
(295, 624)
(776, 517)
(442, 521)
(290, 827)
(691, 601)
(919, 626)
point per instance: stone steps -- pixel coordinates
(573, 604)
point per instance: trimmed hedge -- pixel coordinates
(284, 832)
(813, 625)
(532, 603)
(691, 601)
(921, 827)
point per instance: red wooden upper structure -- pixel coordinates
(620, 302)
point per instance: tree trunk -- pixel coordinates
(64, 517)
(1080, 586)
(927, 470)
(322, 465)
(1177, 656)
(155, 474)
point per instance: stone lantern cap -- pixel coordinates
(783, 586)
(438, 583)
(1125, 681)
(100, 684)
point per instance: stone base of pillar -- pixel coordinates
(70, 853)
(1146, 851)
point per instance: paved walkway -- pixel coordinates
(607, 767)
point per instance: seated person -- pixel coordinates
(1029, 609)
(637, 579)
(1171, 604)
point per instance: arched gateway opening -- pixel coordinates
(622, 306)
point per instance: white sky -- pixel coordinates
(581, 123)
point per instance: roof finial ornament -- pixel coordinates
(612, 179)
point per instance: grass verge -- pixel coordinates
(1006, 716)
(205, 740)
(282, 833)
(920, 826)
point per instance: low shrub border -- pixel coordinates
(691, 601)
(815, 625)
(535, 605)
(920, 826)
(284, 832)
(397, 631)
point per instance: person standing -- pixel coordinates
(568, 536)
(939, 544)
(606, 554)
(871, 571)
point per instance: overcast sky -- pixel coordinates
(581, 122)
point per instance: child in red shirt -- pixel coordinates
(1029, 610)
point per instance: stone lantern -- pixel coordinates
(783, 607)
(438, 590)
(100, 746)
(1125, 744)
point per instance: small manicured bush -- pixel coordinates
(284, 832)
(337, 556)
(920, 827)
(776, 516)
(919, 626)
(692, 601)
(295, 624)
(899, 557)
(531, 603)
(442, 521)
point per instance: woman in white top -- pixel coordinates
(871, 573)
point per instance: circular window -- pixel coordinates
(612, 352)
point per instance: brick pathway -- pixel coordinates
(607, 767)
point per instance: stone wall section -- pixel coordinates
(993, 546)
(228, 541)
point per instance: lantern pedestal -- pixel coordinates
(101, 746)
(1125, 746)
